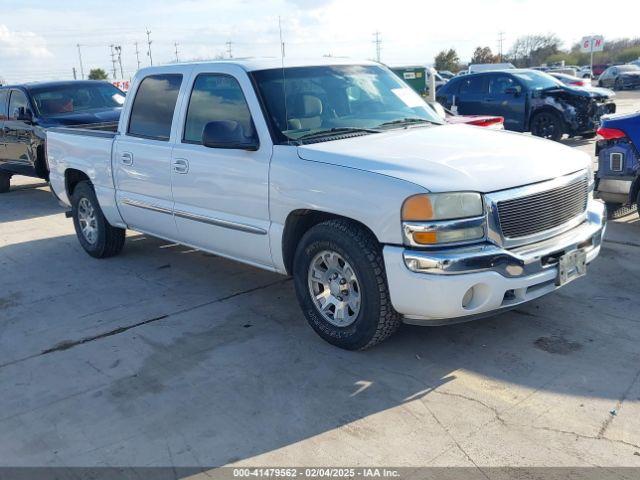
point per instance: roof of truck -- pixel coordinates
(251, 64)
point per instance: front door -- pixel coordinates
(221, 195)
(505, 97)
(4, 105)
(142, 157)
(18, 134)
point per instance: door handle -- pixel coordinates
(127, 158)
(181, 166)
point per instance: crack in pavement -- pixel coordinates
(68, 344)
(609, 419)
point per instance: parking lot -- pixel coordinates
(167, 356)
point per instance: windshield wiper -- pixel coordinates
(336, 131)
(407, 121)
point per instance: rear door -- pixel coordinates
(470, 95)
(142, 155)
(221, 194)
(505, 97)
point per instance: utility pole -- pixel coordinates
(229, 52)
(500, 42)
(113, 61)
(80, 58)
(149, 46)
(378, 42)
(75, 77)
(281, 42)
(175, 44)
(119, 50)
(137, 55)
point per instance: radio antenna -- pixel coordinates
(284, 78)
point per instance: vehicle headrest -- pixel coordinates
(307, 106)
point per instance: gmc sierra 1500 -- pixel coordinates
(338, 174)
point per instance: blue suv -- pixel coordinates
(529, 101)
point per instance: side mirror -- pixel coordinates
(228, 134)
(515, 91)
(23, 114)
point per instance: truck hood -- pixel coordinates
(452, 157)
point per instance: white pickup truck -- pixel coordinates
(338, 174)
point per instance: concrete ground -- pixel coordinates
(169, 356)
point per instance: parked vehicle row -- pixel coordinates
(530, 101)
(345, 179)
(620, 77)
(27, 111)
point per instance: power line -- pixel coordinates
(378, 42)
(149, 46)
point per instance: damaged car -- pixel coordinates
(529, 101)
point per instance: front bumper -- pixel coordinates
(429, 287)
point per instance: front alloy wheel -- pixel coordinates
(334, 287)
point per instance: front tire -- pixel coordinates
(547, 125)
(341, 285)
(98, 238)
(5, 182)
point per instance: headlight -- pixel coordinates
(443, 218)
(442, 206)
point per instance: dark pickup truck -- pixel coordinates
(27, 111)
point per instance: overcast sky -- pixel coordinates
(38, 37)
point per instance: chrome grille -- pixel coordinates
(539, 212)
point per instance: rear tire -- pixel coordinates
(5, 182)
(547, 125)
(338, 265)
(98, 238)
(589, 136)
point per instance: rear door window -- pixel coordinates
(472, 85)
(154, 106)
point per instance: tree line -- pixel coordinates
(534, 50)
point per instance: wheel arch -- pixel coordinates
(72, 177)
(299, 222)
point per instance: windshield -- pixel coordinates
(339, 98)
(628, 68)
(535, 80)
(70, 98)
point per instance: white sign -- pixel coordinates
(594, 43)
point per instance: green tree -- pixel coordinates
(447, 60)
(483, 55)
(98, 74)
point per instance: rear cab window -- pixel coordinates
(154, 106)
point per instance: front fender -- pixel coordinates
(373, 199)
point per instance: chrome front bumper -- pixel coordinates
(515, 262)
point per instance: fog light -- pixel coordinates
(468, 298)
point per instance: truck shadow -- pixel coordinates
(185, 358)
(27, 201)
